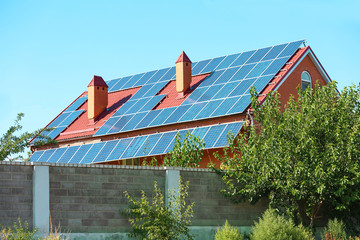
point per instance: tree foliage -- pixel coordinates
(186, 153)
(227, 232)
(13, 142)
(153, 219)
(302, 157)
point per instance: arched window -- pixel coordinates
(305, 80)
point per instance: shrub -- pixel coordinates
(155, 220)
(227, 232)
(19, 231)
(272, 226)
(335, 230)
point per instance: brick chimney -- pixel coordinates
(97, 98)
(183, 74)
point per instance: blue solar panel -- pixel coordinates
(148, 118)
(138, 105)
(200, 132)
(155, 89)
(46, 155)
(177, 114)
(155, 100)
(258, 69)
(260, 83)
(132, 81)
(225, 90)
(210, 93)
(81, 152)
(68, 154)
(234, 128)
(195, 95)
(168, 75)
(112, 83)
(212, 65)
(213, 134)
(258, 55)
(71, 118)
(56, 155)
(119, 85)
(76, 104)
(54, 133)
(133, 147)
(274, 52)
(242, 58)
(123, 109)
(36, 155)
(105, 151)
(241, 74)
(192, 112)
(275, 66)
(148, 145)
(209, 80)
(92, 153)
(208, 109)
(120, 123)
(240, 105)
(59, 119)
(145, 78)
(225, 77)
(107, 126)
(133, 121)
(163, 143)
(224, 107)
(227, 61)
(140, 93)
(199, 66)
(290, 49)
(157, 76)
(165, 113)
(182, 134)
(242, 87)
(119, 149)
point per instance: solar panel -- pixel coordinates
(65, 158)
(177, 114)
(119, 85)
(227, 61)
(76, 104)
(182, 134)
(193, 111)
(36, 155)
(152, 103)
(199, 66)
(242, 87)
(145, 78)
(160, 119)
(158, 75)
(59, 119)
(226, 76)
(242, 58)
(133, 121)
(148, 118)
(54, 133)
(211, 79)
(81, 152)
(242, 73)
(240, 105)
(274, 52)
(209, 93)
(112, 83)
(125, 107)
(213, 64)
(155, 89)
(132, 81)
(168, 75)
(258, 69)
(224, 107)
(105, 151)
(92, 153)
(127, 148)
(140, 93)
(120, 123)
(56, 155)
(208, 109)
(258, 55)
(107, 126)
(74, 115)
(225, 90)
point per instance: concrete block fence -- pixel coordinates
(86, 200)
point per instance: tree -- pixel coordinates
(12, 143)
(302, 157)
(156, 220)
(186, 153)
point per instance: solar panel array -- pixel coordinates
(225, 92)
(64, 119)
(215, 136)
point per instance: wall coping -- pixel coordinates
(107, 166)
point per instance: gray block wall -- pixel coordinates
(16, 193)
(87, 199)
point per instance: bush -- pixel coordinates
(335, 230)
(155, 220)
(227, 232)
(19, 231)
(275, 227)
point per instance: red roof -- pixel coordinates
(98, 82)
(183, 58)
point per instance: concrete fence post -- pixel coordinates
(172, 183)
(41, 198)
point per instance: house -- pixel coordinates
(128, 119)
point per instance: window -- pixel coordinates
(305, 80)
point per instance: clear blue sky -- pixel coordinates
(51, 49)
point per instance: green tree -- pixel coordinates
(14, 143)
(227, 232)
(302, 157)
(155, 220)
(186, 153)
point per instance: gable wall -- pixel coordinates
(289, 87)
